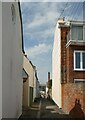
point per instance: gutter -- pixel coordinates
(21, 26)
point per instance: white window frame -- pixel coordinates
(71, 32)
(81, 67)
(79, 80)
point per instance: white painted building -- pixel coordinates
(25, 94)
(0, 61)
(12, 60)
(56, 68)
(47, 89)
(62, 72)
(36, 85)
(30, 70)
(37, 90)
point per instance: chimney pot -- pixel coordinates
(48, 76)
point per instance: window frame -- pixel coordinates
(81, 60)
(79, 80)
(77, 25)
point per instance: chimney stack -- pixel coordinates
(48, 76)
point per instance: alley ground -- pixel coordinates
(43, 108)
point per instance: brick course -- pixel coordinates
(63, 53)
(71, 74)
(71, 92)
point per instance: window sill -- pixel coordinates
(80, 70)
(75, 42)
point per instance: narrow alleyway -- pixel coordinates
(43, 108)
(50, 110)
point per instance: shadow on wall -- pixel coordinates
(76, 111)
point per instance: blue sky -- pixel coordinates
(39, 21)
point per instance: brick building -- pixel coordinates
(68, 64)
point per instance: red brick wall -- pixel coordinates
(71, 74)
(71, 92)
(63, 53)
(67, 59)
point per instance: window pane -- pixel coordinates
(77, 81)
(83, 58)
(77, 60)
(77, 33)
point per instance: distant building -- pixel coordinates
(68, 64)
(25, 98)
(37, 89)
(12, 60)
(36, 85)
(42, 87)
(30, 85)
(49, 87)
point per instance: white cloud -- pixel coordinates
(44, 17)
(36, 22)
(38, 50)
(52, 15)
(40, 20)
(41, 35)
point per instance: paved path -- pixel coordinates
(50, 110)
(31, 112)
(43, 108)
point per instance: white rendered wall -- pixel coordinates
(35, 85)
(26, 93)
(30, 71)
(56, 68)
(12, 82)
(0, 61)
(37, 89)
